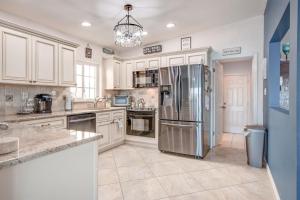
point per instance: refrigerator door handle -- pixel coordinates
(180, 93)
(176, 92)
(178, 125)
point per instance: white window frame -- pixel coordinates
(96, 83)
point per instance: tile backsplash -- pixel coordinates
(11, 97)
(150, 95)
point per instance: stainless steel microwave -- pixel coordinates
(145, 79)
(120, 100)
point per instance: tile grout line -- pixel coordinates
(119, 180)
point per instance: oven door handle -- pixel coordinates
(136, 116)
(82, 120)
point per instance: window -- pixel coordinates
(284, 72)
(86, 82)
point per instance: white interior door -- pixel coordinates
(235, 103)
(219, 100)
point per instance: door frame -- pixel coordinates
(254, 91)
(248, 105)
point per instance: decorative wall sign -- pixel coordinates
(88, 51)
(232, 51)
(153, 49)
(108, 51)
(186, 43)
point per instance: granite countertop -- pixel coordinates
(35, 142)
(20, 118)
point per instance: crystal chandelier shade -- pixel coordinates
(128, 31)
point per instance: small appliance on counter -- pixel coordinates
(42, 103)
(120, 101)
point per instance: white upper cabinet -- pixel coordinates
(29, 59)
(113, 73)
(176, 60)
(140, 65)
(129, 79)
(67, 65)
(196, 58)
(45, 61)
(153, 63)
(117, 71)
(16, 59)
(163, 61)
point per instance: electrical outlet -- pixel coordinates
(9, 98)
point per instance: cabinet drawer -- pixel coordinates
(102, 117)
(118, 114)
(59, 122)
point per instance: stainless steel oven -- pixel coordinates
(141, 122)
(82, 122)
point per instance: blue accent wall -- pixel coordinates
(282, 125)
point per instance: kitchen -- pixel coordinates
(109, 118)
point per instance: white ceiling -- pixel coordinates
(188, 15)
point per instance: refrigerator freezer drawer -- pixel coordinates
(181, 137)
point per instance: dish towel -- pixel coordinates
(119, 123)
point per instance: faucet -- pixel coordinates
(98, 99)
(141, 103)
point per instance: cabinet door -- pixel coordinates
(116, 76)
(175, 60)
(140, 65)
(163, 61)
(104, 129)
(117, 132)
(196, 58)
(45, 61)
(129, 77)
(153, 63)
(16, 57)
(67, 65)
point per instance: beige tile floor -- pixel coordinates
(136, 173)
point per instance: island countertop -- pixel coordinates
(35, 142)
(14, 118)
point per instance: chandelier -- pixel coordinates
(128, 31)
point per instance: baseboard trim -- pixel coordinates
(108, 147)
(273, 183)
(141, 144)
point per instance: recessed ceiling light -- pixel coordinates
(170, 25)
(145, 33)
(86, 24)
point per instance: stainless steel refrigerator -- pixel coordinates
(184, 109)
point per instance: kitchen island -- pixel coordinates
(49, 164)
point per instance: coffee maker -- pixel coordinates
(42, 103)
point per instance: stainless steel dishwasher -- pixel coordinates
(82, 122)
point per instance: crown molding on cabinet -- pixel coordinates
(202, 49)
(30, 31)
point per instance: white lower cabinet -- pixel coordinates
(103, 128)
(55, 122)
(112, 127)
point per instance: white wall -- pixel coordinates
(238, 67)
(247, 34)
